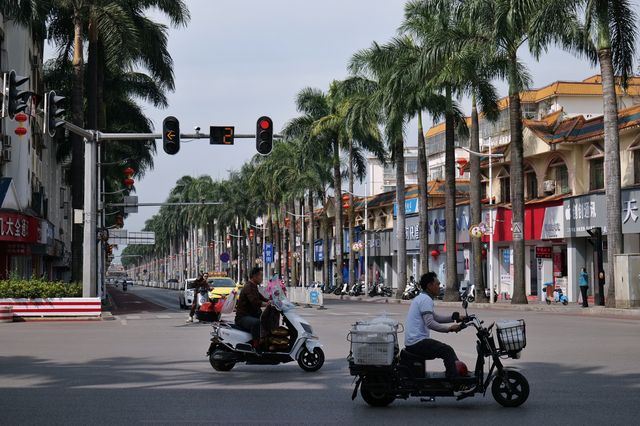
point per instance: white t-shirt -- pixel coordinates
(415, 326)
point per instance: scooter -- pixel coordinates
(558, 296)
(405, 375)
(124, 285)
(410, 291)
(380, 290)
(471, 293)
(356, 290)
(342, 290)
(231, 344)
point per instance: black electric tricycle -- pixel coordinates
(405, 375)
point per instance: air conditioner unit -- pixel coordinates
(6, 141)
(6, 155)
(549, 186)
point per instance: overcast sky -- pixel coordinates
(240, 59)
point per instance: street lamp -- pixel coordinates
(366, 240)
(491, 219)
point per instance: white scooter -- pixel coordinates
(230, 344)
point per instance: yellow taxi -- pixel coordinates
(221, 285)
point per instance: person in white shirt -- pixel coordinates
(422, 318)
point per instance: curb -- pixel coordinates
(537, 307)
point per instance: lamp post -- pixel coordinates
(366, 241)
(491, 156)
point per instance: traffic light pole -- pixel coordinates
(90, 241)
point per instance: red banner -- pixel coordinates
(17, 227)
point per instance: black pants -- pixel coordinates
(432, 349)
(583, 291)
(251, 324)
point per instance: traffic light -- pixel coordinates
(17, 99)
(52, 112)
(264, 135)
(171, 135)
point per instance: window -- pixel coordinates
(529, 111)
(636, 166)
(562, 179)
(411, 166)
(505, 190)
(532, 184)
(596, 174)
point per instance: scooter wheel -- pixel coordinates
(470, 299)
(220, 365)
(548, 301)
(565, 302)
(375, 398)
(511, 390)
(311, 361)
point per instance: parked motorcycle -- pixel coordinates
(380, 290)
(470, 292)
(411, 290)
(382, 382)
(230, 344)
(558, 296)
(342, 290)
(357, 289)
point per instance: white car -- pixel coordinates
(185, 297)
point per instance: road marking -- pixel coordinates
(163, 316)
(123, 322)
(134, 317)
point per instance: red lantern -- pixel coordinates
(345, 201)
(251, 234)
(21, 131)
(483, 252)
(21, 117)
(128, 172)
(129, 182)
(461, 163)
(435, 253)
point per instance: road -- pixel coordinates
(147, 366)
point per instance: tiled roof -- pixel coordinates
(577, 129)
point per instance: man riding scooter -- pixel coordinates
(250, 302)
(422, 318)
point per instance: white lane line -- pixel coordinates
(123, 322)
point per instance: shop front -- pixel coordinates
(18, 235)
(582, 215)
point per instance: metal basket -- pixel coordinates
(512, 337)
(373, 347)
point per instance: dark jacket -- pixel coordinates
(250, 301)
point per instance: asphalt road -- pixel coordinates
(147, 366)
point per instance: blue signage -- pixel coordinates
(314, 297)
(318, 253)
(224, 257)
(410, 207)
(268, 253)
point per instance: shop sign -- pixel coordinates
(17, 249)
(318, 254)
(552, 225)
(590, 211)
(18, 227)
(410, 207)
(436, 227)
(544, 252)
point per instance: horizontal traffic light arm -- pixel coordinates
(197, 203)
(100, 136)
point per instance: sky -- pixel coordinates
(240, 59)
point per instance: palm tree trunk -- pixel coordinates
(292, 246)
(423, 193)
(352, 258)
(269, 239)
(451, 290)
(325, 248)
(517, 191)
(400, 231)
(615, 241)
(279, 245)
(77, 159)
(339, 219)
(310, 241)
(92, 81)
(476, 208)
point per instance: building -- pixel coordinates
(35, 213)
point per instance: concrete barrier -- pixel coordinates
(308, 296)
(54, 307)
(6, 313)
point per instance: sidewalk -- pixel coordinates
(537, 306)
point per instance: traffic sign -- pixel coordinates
(131, 204)
(516, 230)
(268, 253)
(224, 257)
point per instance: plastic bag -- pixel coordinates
(228, 304)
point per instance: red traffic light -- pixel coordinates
(129, 182)
(128, 171)
(265, 124)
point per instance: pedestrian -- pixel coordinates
(583, 281)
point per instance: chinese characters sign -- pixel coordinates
(18, 227)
